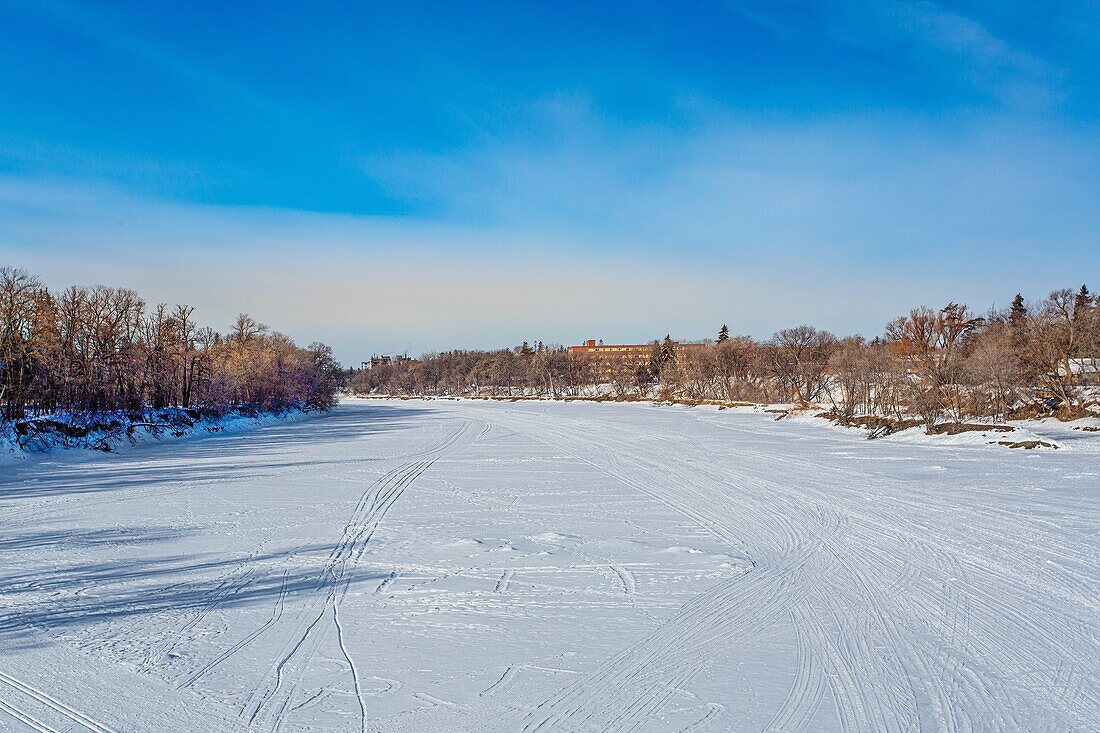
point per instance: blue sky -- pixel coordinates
(430, 175)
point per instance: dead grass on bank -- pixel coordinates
(955, 428)
(1064, 413)
(876, 426)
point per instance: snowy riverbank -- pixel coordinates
(113, 431)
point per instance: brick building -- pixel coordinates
(384, 360)
(628, 355)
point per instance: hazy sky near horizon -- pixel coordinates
(422, 176)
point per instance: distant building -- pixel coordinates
(385, 360)
(629, 355)
(377, 361)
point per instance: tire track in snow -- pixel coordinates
(804, 698)
(897, 566)
(976, 687)
(879, 682)
(939, 701)
(449, 442)
(632, 685)
(936, 701)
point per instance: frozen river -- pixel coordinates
(472, 566)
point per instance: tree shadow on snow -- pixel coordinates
(83, 538)
(39, 604)
(44, 595)
(206, 459)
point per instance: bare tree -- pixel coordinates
(92, 350)
(799, 360)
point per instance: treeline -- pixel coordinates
(931, 364)
(95, 350)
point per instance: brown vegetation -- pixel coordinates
(87, 351)
(930, 367)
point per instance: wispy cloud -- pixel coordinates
(933, 38)
(1017, 77)
(734, 188)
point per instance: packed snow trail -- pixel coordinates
(537, 567)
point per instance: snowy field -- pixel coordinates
(469, 566)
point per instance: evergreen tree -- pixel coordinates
(1017, 325)
(668, 353)
(1017, 314)
(723, 333)
(1082, 304)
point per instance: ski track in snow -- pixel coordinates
(265, 709)
(52, 704)
(535, 567)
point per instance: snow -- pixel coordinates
(541, 566)
(166, 424)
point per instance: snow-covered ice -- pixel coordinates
(473, 566)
